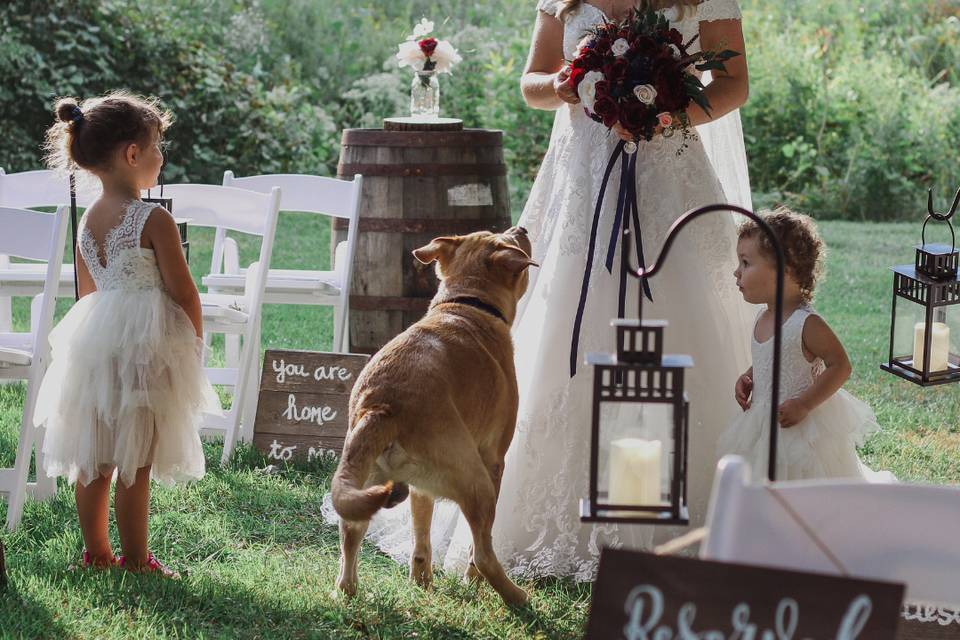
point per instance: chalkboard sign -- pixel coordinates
(304, 398)
(925, 622)
(639, 596)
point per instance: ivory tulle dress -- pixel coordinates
(125, 386)
(824, 444)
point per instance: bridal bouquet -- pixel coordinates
(424, 53)
(639, 73)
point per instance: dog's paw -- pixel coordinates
(421, 572)
(345, 590)
(472, 574)
(516, 597)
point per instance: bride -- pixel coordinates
(537, 530)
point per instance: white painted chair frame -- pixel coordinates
(25, 356)
(892, 532)
(237, 315)
(25, 190)
(308, 194)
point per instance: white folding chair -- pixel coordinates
(24, 356)
(25, 190)
(236, 314)
(309, 194)
(894, 532)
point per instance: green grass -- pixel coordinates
(259, 561)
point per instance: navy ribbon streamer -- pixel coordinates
(627, 211)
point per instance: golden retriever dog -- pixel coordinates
(433, 412)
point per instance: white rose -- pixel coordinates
(646, 93)
(445, 56)
(676, 51)
(422, 29)
(587, 89)
(672, 14)
(410, 55)
(620, 47)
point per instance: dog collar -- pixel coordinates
(476, 303)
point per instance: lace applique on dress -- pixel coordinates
(710, 10)
(124, 265)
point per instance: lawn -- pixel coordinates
(260, 563)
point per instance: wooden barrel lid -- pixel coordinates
(419, 124)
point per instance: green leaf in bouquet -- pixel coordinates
(702, 101)
(711, 65)
(693, 83)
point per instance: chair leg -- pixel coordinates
(253, 388)
(18, 492)
(6, 314)
(337, 344)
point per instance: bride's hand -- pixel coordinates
(562, 87)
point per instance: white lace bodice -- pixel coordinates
(796, 372)
(588, 15)
(128, 265)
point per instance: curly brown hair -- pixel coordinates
(86, 134)
(803, 248)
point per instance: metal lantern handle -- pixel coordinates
(940, 217)
(646, 272)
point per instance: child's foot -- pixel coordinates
(152, 565)
(88, 561)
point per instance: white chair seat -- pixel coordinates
(15, 357)
(33, 273)
(279, 282)
(221, 313)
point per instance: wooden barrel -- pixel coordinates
(417, 185)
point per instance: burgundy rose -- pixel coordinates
(576, 75)
(427, 46)
(645, 46)
(675, 37)
(606, 108)
(602, 45)
(601, 89)
(633, 114)
(671, 92)
(617, 70)
(591, 60)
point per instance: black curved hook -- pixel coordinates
(646, 272)
(941, 216)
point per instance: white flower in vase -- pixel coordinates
(423, 28)
(445, 57)
(410, 55)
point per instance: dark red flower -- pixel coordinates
(616, 71)
(601, 89)
(633, 114)
(601, 45)
(576, 75)
(671, 92)
(675, 37)
(427, 46)
(606, 108)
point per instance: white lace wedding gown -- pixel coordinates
(537, 530)
(125, 387)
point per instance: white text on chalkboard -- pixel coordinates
(282, 369)
(645, 606)
(320, 415)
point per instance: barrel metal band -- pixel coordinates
(424, 139)
(425, 225)
(428, 170)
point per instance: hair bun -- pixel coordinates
(68, 110)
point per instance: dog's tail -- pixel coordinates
(373, 433)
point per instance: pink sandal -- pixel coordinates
(151, 566)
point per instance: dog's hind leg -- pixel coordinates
(351, 536)
(495, 469)
(421, 562)
(478, 502)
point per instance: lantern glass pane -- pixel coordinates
(636, 454)
(911, 330)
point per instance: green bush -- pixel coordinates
(854, 107)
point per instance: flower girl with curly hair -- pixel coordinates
(821, 424)
(125, 388)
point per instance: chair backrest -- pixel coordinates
(310, 194)
(37, 236)
(219, 207)
(41, 188)
(895, 532)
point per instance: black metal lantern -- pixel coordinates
(167, 203)
(638, 471)
(925, 328)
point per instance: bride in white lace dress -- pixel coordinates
(537, 530)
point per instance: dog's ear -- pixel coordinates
(513, 259)
(438, 249)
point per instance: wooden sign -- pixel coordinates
(303, 404)
(924, 622)
(639, 596)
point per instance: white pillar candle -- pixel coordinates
(939, 346)
(635, 471)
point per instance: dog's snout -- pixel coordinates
(522, 230)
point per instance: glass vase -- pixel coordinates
(425, 96)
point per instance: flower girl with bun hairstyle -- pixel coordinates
(125, 388)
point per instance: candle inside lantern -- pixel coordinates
(939, 346)
(635, 471)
